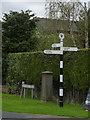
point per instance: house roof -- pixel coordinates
(56, 25)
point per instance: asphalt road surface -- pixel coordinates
(25, 116)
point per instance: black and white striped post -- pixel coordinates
(60, 52)
(61, 36)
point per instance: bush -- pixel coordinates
(29, 66)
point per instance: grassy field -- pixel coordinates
(13, 103)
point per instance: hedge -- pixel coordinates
(29, 66)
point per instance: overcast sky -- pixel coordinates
(37, 6)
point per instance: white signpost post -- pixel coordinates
(60, 52)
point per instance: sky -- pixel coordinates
(37, 6)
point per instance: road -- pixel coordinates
(26, 116)
(10, 115)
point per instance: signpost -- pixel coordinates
(28, 86)
(52, 51)
(56, 45)
(70, 49)
(60, 52)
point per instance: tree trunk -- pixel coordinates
(86, 27)
(21, 93)
(71, 31)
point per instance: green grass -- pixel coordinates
(13, 103)
(0, 100)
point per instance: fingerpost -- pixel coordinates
(60, 52)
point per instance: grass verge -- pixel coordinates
(12, 103)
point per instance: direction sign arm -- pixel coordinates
(56, 45)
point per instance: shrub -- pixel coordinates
(29, 66)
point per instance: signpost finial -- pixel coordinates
(61, 36)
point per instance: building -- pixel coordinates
(56, 25)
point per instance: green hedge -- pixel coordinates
(76, 75)
(76, 70)
(29, 66)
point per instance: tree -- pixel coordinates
(18, 32)
(18, 35)
(0, 52)
(89, 26)
(66, 11)
(72, 12)
(86, 24)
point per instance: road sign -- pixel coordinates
(56, 45)
(61, 36)
(70, 48)
(52, 51)
(28, 86)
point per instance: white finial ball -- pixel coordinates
(22, 82)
